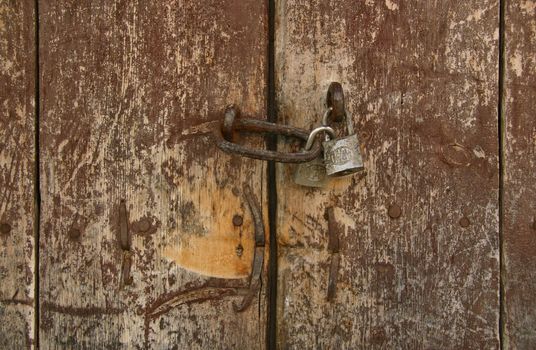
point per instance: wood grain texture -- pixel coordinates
(421, 84)
(131, 176)
(17, 167)
(519, 225)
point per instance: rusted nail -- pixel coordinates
(124, 239)
(333, 237)
(5, 228)
(464, 222)
(238, 220)
(74, 233)
(333, 247)
(239, 250)
(126, 266)
(333, 274)
(394, 211)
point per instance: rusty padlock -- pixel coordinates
(313, 173)
(342, 155)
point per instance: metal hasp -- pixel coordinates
(333, 248)
(335, 101)
(224, 135)
(258, 255)
(342, 155)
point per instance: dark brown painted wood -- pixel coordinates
(137, 240)
(519, 226)
(17, 165)
(421, 80)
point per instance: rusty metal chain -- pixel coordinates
(223, 136)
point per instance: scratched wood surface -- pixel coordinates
(128, 91)
(419, 242)
(519, 230)
(17, 159)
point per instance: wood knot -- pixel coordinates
(455, 155)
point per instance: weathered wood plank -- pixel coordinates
(17, 167)
(519, 225)
(129, 173)
(421, 84)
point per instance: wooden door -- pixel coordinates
(419, 228)
(137, 242)
(123, 226)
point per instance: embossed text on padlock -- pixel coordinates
(313, 173)
(341, 155)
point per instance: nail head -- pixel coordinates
(238, 220)
(74, 233)
(5, 228)
(464, 222)
(395, 211)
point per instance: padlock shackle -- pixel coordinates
(312, 135)
(325, 118)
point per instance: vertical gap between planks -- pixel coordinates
(271, 324)
(501, 134)
(37, 177)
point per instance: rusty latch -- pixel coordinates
(224, 135)
(258, 255)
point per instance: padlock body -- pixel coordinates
(342, 156)
(311, 174)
